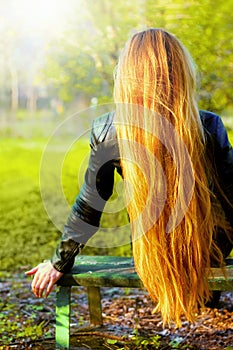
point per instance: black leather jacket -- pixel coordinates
(84, 218)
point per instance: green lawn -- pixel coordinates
(27, 235)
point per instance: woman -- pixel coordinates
(179, 164)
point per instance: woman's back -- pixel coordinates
(172, 208)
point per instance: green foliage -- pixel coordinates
(230, 134)
(146, 342)
(111, 341)
(79, 65)
(140, 342)
(84, 65)
(11, 332)
(205, 30)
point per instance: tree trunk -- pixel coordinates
(14, 89)
(31, 100)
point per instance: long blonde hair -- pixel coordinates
(163, 157)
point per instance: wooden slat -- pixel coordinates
(114, 271)
(104, 271)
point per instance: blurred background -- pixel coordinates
(57, 58)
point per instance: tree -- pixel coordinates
(82, 62)
(9, 69)
(20, 61)
(206, 30)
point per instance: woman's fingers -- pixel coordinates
(40, 280)
(45, 275)
(49, 288)
(40, 286)
(48, 282)
(32, 271)
(36, 284)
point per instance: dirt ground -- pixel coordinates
(125, 312)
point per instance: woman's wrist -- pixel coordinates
(64, 256)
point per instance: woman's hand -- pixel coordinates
(45, 275)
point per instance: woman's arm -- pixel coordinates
(223, 155)
(86, 212)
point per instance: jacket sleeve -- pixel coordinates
(85, 215)
(224, 165)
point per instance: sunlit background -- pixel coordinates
(28, 16)
(57, 56)
(31, 33)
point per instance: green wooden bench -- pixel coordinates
(94, 272)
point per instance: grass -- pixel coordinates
(27, 235)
